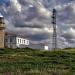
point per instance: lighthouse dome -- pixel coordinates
(1, 15)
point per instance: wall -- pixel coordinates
(10, 41)
(1, 38)
(22, 42)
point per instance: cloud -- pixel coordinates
(73, 7)
(32, 19)
(69, 34)
(42, 11)
(15, 5)
(63, 6)
(50, 30)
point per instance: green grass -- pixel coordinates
(37, 62)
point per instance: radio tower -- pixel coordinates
(54, 39)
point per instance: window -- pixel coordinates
(27, 42)
(20, 40)
(24, 41)
(11, 39)
(6, 40)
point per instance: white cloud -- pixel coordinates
(73, 7)
(72, 32)
(69, 34)
(15, 5)
(42, 11)
(63, 6)
(49, 30)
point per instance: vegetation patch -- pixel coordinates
(37, 62)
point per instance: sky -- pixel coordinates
(32, 19)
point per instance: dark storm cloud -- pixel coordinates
(21, 25)
(39, 37)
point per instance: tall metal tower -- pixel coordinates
(54, 38)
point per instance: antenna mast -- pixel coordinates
(54, 39)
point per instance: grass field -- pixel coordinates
(37, 62)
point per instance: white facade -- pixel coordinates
(21, 42)
(13, 41)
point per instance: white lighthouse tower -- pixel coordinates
(2, 31)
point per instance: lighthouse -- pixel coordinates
(2, 31)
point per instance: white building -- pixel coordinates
(15, 41)
(46, 47)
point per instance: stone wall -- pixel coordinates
(2, 33)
